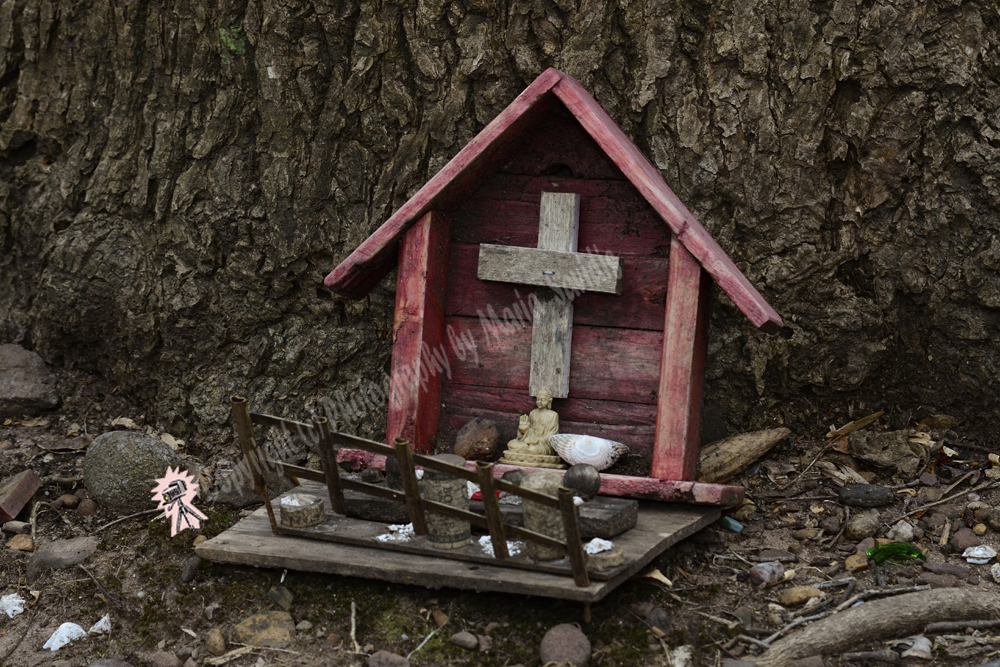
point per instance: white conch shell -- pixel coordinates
(598, 452)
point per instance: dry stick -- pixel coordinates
(126, 518)
(426, 639)
(945, 500)
(956, 626)
(108, 595)
(821, 453)
(354, 640)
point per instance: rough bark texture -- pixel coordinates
(177, 177)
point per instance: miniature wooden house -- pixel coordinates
(552, 213)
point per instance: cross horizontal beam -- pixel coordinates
(550, 268)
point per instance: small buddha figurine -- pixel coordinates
(531, 446)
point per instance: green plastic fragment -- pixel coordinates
(901, 550)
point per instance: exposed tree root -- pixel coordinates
(881, 619)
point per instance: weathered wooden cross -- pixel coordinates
(557, 265)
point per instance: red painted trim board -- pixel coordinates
(418, 333)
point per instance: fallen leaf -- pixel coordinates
(818, 509)
(9, 422)
(657, 575)
(125, 422)
(854, 425)
(36, 422)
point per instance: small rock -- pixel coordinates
(465, 640)
(281, 596)
(334, 639)
(995, 572)
(304, 626)
(930, 479)
(937, 580)
(387, 659)
(69, 501)
(865, 495)
(902, 531)
(372, 476)
(17, 527)
(583, 480)
(82, 493)
(190, 663)
(478, 440)
(59, 554)
(831, 525)
(954, 569)
(993, 519)
(190, 569)
(440, 618)
(659, 619)
(862, 525)
(963, 539)
(795, 548)
(864, 545)
(766, 573)
(856, 563)
(198, 540)
(21, 543)
(109, 662)
(515, 476)
(491, 627)
(807, 534)
(565, 643)
(163, 659)
(269, 628)
(485, 643)
(27, 387)
(87, 507)
(215, 643)
(979, 529)
(927, 494)
(120, 468)
(798, 595)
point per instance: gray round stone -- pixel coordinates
(564, 644)
(583, 480)
(121, 469)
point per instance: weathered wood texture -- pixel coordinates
(550, 268)
(675, 450)
(418, 334)
(15, 492)
(250, 542)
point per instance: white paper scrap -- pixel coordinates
(513, 548)
(12, 605)
(63, 635)
(399, 533)
(102, 627)
(597, 545)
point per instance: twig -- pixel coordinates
(126, 518)
(821, 453)
(354, 640)
(958, 626)
(426, 639)
(945, 500)
(847, 593)
(835, 583)
(108, 595)
(60, 480)
(268, 648)
(758, 642)
(796, 622)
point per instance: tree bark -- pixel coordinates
(176, 178)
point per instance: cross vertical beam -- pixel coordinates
(682, 367)
(419, 333)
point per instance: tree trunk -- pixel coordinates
(177, 177)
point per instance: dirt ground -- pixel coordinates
(709, 604)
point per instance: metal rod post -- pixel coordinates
(404, 457)
(494, 520)
(328, 459)
(574, 546)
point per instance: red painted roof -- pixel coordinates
(374, 258)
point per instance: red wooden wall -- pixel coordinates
(617, 340)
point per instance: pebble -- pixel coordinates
(954, 569)
(334, 639)
(797, 595)
(766, 573)
(69, 501)
(164, 659)
(938, 580)
(864, 545)
(190, 663)
(465, 640)
(993, 519)
(87, 507)
(478, 440)
(979, 529)
(21, 543)
(272, 629)
(856, 563)
(372, 475)
(963, 539)
(862, 525)
(387, 659)
(440, 618)
(565, 643)
(806, 534)
(198, 540)
(865, 495)
(930, 479)
(995, 572)
(831, 525)
(281, 596)
(659, 619)
(485, 643)
(304, 626)
(190, 569)
(902, 531)
(16, 527)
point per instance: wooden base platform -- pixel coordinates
(251, 542)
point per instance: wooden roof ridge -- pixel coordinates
(362, 269)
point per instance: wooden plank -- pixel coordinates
(675, 452)
(550, 268)
(418, 334)
(639, 306)
(607, 364)
(559, 221)
(250, 542)
(373, 259)
(15, 492)
(650, 184)
(551, 344)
